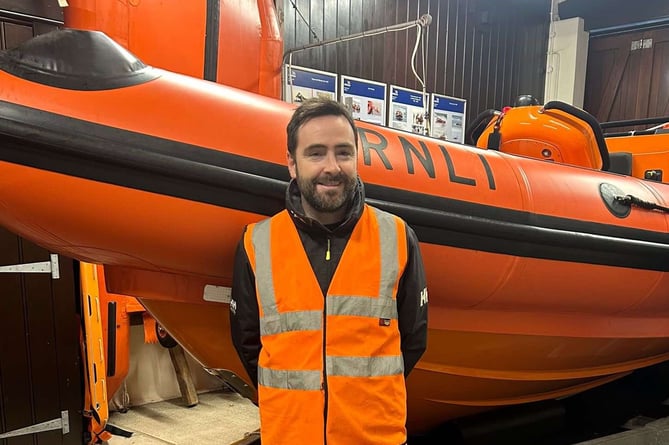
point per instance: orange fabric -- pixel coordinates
(360, 410)
(285, 421)
(149, 323)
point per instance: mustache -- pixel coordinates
(329, 179)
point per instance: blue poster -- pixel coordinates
(447, 118)
(365, 99)
(408, 110)
(304, 83)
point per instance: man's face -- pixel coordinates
(325, 167)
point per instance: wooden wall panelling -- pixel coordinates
(390, 46)
(47, 9)
(378, 41)
(622, 83)
(330, 26)
(451, 21)
(462, 42)
(15, 33)
(659, 87)
(484, 51)
(363, 48)
(436, 79)
(343, 25)
(317, 20)
(403, 45)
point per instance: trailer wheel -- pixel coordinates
(165, 339)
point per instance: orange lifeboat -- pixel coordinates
(545, 279)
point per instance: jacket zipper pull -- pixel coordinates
(327, 253)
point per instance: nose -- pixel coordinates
(331, 164)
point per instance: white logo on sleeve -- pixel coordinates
(233, 307)
(423, 297)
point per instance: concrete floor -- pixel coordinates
(220, 417)
(226, 418)
(652, 433)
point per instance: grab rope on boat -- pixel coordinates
(630, 200)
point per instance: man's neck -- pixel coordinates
(325, 218)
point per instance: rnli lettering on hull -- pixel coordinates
(373, 141)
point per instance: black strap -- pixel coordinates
(495, 138)
(116, 431)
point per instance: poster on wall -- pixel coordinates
(302, 83)
(407, 110)
(447, 118)
(365, 99)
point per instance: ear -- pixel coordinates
(292, 169)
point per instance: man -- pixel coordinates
(329, 302)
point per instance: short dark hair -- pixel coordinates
(316, 107)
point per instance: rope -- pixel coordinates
(630, 201)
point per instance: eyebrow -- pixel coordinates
(341, 145)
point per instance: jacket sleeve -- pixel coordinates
(412, 305)
(244, 313)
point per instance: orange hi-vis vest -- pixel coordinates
(330, 369)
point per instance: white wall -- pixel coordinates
(566, 62)
(151, 375)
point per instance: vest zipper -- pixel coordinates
(325, 373)
(324, 385)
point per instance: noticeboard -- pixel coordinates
(365, 99)
(447, 118)
(408, 110)
(304, 83)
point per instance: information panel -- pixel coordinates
(304, 83)
(365, 99)
(447, 118)
(407, 109)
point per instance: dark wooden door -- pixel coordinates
(40, 365)
(627, 76)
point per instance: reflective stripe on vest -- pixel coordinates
(339, 366)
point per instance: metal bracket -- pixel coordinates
(42, 267)
(233, 381)
(641, 44)
(653, 175)
(56, 424)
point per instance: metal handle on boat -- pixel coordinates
(590, 120)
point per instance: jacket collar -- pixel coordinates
(303, 222)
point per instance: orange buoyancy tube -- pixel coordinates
(340, 379)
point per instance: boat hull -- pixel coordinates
(541, 283)
(462, 372)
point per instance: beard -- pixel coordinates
(329, 201)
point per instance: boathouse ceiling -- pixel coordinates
(601, 14)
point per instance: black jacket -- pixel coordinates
(244, 318)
